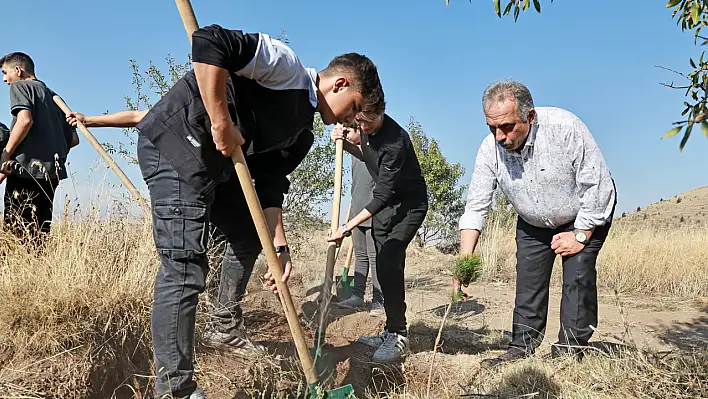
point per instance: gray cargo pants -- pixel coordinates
(180, 218)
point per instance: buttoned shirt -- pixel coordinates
(558, 177)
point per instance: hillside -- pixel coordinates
(684, 210)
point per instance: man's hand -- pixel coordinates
(565, 244)
(227, 137)
(337, 237)
(339, 133)
(2, 177)
(5, 164)
(74, 117)
(286, 264)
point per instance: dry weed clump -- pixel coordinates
(607, 371)
(634, 259)
(77, 307)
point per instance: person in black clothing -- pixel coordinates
(34, 152)
(398, 208)
(248, 90)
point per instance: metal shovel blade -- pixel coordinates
(343, 392)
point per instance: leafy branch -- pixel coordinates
(691, 15)
(516, 5)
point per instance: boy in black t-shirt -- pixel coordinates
(398, 208)
(35, 152)
(248, 90)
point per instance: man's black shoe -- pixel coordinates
(561, 350)
(511, 354)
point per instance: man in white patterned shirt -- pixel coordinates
(547, 163)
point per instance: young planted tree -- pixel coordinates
(445, 197)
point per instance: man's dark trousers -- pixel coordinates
(393, 229)
(180, 218)
(29, 203)
(534, 265)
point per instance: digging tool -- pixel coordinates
(111, 163)
(326, 296)
(345, 285)
(254, 206)
(319, 351)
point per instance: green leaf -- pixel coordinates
(527, 3)
(696, 12)
(496, 7)
(508, 7)
(704, 127)
(672, 3)
(685, 137)
(693, 64)
(516, 13)
(671, 133)
(537, 4)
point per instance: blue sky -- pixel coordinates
(595, 58)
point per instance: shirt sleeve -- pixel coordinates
(481, 189)
(228, 49)
(255, 56)
(21, 97)
(390, 169)
(595, 186)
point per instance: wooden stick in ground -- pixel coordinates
(111, 163)
(254, 206)
(437, 342)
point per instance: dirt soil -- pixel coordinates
(475, 329)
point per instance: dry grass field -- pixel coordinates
(74, 319)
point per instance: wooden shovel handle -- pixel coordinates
(188, 18)
(111, 163)
(254, 206)
(332, 250)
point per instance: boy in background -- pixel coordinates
(34, 155)
(363, 241)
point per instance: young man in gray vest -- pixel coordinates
(34, 156)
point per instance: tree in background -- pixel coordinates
(691, 15)
(445, 197)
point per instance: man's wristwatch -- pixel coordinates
(581, 237)
(347, 232)
(282, 249)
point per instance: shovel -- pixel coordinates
(254, 206)
(319, 352)
(345, 285)
(111, 163)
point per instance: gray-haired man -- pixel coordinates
(547, 163)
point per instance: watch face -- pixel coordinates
(580, 236)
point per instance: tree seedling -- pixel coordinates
(466, 270)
